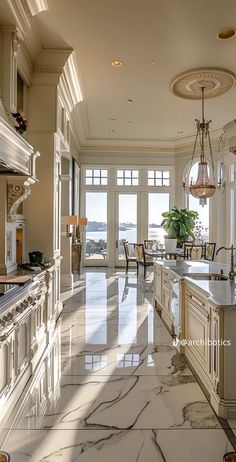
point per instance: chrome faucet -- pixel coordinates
(232, 272)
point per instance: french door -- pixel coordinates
(127, 223)
(96, 237)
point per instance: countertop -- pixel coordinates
(20, 288)
(221, 293)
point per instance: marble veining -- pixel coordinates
(123, 391)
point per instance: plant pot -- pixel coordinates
(170, 244)
(36, 258)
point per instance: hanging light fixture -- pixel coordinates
(203, 187)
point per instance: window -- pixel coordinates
(127, 177)
(96, 229)
(96, 177)
(157, 204)
(158, 178)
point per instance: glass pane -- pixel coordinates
(166, 174)
(120, 173)
(151, 182)
(96, 172)
(158, 174)
(88, 172)
(89, 181)
(96, 181)
(104, 173)
(166, 182)
(127, 173)
(127, 221)
(151, 174)
(127, 181)
(135, 173)
(157, 204)
(135, 182)
(120, 181)
(96, 230)
(159, 182)
(103, 181)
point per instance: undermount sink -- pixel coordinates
(209, 277)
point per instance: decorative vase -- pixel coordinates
(170, 244)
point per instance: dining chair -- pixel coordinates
(148, 244)
(194, 251)
(142, 259)
(210, 248)
(129, 257)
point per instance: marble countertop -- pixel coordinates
(221, 293)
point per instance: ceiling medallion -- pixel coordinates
(215, 81)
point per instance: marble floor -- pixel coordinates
(115, 387)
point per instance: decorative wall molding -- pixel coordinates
(16, 193)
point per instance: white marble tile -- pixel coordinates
(122, 402)
(125, 393)
(125, 445)
(124, 360)
(232, 424)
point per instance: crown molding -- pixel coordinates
(22, 15)
(36, 6)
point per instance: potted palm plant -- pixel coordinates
(179, 225)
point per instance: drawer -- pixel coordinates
(196, 300)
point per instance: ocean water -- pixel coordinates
(129, 235)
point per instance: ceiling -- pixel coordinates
(177, 35)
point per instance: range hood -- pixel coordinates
(17, 156)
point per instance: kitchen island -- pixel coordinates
(198, 305)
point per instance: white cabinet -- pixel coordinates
(210, 349)
(166, 297)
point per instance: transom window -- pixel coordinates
(158, 178)
(127, 177)
(96, 177)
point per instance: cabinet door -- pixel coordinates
(215, 349)
(157, 283)
(166, 313)
(197, 329)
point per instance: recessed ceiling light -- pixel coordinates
(180, 131)
(129, 100)
(112, 118)
(226, 33)
(111, 130)
(130, 121)
(153, 61)
(116, 63)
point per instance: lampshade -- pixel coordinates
(74, 220)
(202, 188)
(82, 221)
(69, 220)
